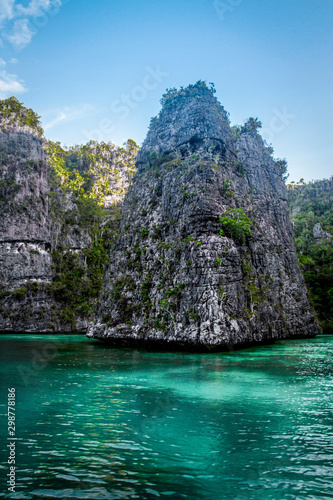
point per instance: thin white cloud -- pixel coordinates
(36, 7)
(10, 85)
(68, 114)
(6, 10)
(61, 116)
(2, 63)
(19, 22)
(22, 34)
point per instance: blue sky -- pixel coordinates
(97, 68)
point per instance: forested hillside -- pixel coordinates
(311, 210)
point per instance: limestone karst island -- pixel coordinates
(208, 280)
(184, 243)
(166, 250)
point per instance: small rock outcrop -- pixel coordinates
(319, 233)
(205, 257)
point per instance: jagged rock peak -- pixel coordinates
(205, 256)
(191, 115)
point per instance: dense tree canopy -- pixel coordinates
(312, 204)
(100, 171)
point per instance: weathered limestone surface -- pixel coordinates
(37, 219)
(24, 177)
(174, 278)
(24, 231)
(204, 256)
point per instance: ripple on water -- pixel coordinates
(99, 423)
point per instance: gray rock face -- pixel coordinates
(29, 232)
(24, 205)
(25, 239)
(170, 130)
(52, 242)
(319, 234)
(205, 257)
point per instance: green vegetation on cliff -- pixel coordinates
(87, 184)
(79, 274)
(311, 207)
(252, 126)
(173, 96)
(67, 201)
(13, 112)
(99, 171)
(235, 225)
(194, 92)
(96, 177)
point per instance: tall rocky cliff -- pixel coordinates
(25, 238)
(54, 234)
(205, 256)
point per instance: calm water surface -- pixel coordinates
(95, 422)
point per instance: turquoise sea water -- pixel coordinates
(96, 422)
